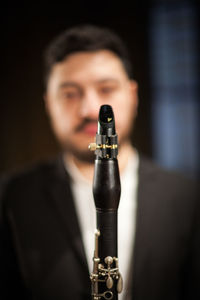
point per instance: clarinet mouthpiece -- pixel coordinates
(106, 145)
(106, 122)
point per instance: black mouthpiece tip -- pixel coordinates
(106, 124)
(106, 114)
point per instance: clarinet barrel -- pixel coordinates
(106, 279)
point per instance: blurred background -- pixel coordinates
(163, 38)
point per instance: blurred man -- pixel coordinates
(47, 212)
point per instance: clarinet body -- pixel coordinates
(106, 279)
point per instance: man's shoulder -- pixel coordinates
(149, 166)
(28, 174)
(168, 181)
(31, 180)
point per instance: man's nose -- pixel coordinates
(90, 105)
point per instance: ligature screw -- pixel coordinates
(94, 146)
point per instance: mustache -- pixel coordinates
(84, 123)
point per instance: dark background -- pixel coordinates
(26, 29)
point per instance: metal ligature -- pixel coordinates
(106, 279)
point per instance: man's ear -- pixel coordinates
(134, 95)
(46, 102)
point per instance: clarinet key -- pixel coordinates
(109, 282)
(119, 284)
(106, 295)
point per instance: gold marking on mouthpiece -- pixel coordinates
(109, 119)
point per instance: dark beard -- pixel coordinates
(86, 156)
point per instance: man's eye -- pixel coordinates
(71, 95)
(106, 90)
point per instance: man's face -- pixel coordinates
(76, 89)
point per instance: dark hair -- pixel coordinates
(85, 38)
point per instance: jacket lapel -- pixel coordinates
(143, 221)
(61, 199)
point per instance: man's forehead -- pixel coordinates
(86, 61)
(99, 66)
(71, 84)
(91, 55)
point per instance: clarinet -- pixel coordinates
(106, 280)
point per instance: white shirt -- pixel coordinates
(85, 207)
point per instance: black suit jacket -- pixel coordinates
(42, 254)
